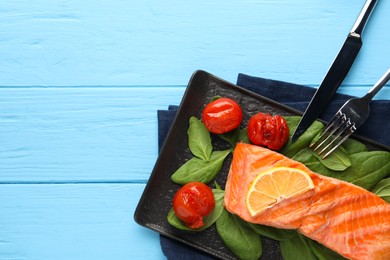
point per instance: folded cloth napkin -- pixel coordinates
(295, 96)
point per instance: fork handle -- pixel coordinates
(378, 85)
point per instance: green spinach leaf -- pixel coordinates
(235, 136)
(231, 137)
(242, 240)
(292, 148)
(199, 140)
(208, 220)
(320, 251)
(296, 248)
(272, 232)
(243, 136)
(367, 169)
(215, 98)
(197, 169)
(306, 157)
(353, 146)
(338, 160)
(382, 189)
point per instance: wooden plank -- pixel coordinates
(73, 221)
(85, 134)
(153, 42)
(80, 134)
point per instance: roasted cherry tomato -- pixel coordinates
(222, 115)
(192, 202)
(268, 130)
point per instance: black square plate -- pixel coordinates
(156, 200)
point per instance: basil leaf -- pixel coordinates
(292, 148)
(208, 220)
(231, 137)
(301, 247)
(235, 136)
(215, 98)
(177, 223)
(219, 196)
(296, 248)
(217, 186)
(200, 170)
(321, 251)
(199, 140)
(243, 136)
(338, 160)
(382, 189)
(243, 241)
(272, 232)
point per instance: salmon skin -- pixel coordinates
(343, 217)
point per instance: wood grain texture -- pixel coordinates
(80, 134)
(157, 42)
(73, 221)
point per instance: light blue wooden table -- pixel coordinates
(80, 83)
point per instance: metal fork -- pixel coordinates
(347, 119)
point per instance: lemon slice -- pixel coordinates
(274, 185)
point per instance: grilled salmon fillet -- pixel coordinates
(344, 217)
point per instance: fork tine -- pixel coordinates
(331, 127)
(351, 130)
(352, 114)
(345, 125)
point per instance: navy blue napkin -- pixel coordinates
(295, 96)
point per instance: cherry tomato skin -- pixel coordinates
(268, 130)
(192, 202)
(222, 115)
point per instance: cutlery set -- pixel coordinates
(346, 120)
(355, 111)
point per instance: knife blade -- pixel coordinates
(337, 71)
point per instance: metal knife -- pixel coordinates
(337, 72)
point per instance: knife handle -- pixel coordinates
(357, 28)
